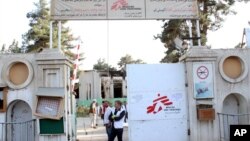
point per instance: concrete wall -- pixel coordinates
(54, 72)
(223, 87)
(91, 82)
(90, 85)
(41, 66)
(25, 94)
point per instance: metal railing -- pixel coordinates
(18, 131)
(225, 120)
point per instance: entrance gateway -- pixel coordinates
(157, 102)
(158, 99)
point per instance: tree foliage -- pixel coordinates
(13, 48)
(212, 14)
(101, 65)
(39, 33)
(127, 59)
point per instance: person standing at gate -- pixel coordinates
(93, 113)
(117, 119)
(125, 106)
(107, 123)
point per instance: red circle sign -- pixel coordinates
(202, 72)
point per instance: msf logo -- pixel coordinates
(118, 4)
(158, 104)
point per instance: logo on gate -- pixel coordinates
(119, 4)
(158, 104)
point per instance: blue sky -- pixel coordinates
(122, 37)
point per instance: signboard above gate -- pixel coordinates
(123, 9)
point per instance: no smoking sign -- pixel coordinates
(202, 72)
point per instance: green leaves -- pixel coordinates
(127, 59)
(101, 65)
(212, 15)
(38, 35)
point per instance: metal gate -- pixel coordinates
(225, 120)
(27, 128)
(157, 102)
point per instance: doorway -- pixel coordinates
(234, 112)
(22, 128)
(118, 90)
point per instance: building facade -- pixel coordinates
(35, 97)
(218, 86)
(101, 84)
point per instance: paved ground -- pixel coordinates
(86, 133)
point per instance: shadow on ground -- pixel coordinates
(86, 133)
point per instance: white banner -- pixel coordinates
(123, 9)
(171, 9)
(203, 80)
(78, 9)
(126, 9)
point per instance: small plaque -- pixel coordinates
(206, 114)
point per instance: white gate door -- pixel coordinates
(157, 103)
(21, 112)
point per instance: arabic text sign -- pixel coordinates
(123, 9)
(78, 9)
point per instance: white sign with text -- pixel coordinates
(123, 9)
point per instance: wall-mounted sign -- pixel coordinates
(123, 9)
(203, 80)
(49, 107)
(50, 127)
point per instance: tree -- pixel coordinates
(39, 34)
(13, 48)
(212, 14)
(102, 65)
(3, 48)
(127, 59)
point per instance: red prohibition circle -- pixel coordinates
(202, 72)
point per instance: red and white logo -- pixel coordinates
(158, 104)
(119, 4)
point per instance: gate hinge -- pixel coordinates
(189, 132)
